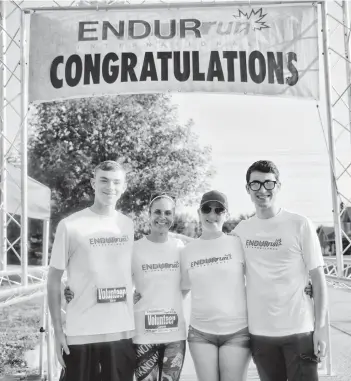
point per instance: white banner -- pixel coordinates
(225, 49)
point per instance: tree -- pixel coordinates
(232, 222)
(68, 139)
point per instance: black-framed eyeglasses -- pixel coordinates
(206, 209)
(159, 194)
(268, 185)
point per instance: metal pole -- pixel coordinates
(3, 146)
(331, 140)
(49, 346)
(346, 22)
(45, 328)
(328, 359)
(24, 137)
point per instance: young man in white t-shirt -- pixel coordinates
(281, 252)
(95, 247)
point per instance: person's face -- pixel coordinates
(161, 215)
(108, 186)
(263, 198)
(212, 216)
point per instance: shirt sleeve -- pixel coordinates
(311, 248)
(185, 280)
(239, 250)
(60, 249)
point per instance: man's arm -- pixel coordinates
(319, 285)
(54, 302)
(320, 309)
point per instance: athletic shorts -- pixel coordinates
(238, 339)
(159, 361)
(110, 361)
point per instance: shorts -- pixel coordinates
(238, 339)
(108, 361)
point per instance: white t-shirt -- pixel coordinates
(279, 254)
(159, 316)
(214, 272)
(96, 250)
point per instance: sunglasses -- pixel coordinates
(257, 185)
(206, 209)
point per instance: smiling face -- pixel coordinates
(212, 216)
(263, 198)
(161, 215)
(108, 186)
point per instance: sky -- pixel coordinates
(242, 129)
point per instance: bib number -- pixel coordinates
(111, 295)
(161, 321)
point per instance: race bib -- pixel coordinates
(111, 295)
(161, 320)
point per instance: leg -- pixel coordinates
(82, 364)
(302, 364)
(117, 360)
(268, 356)
(148, 357)
(204, 354)
(234, 357)
(173, 359)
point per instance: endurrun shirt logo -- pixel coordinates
(263, 244)
(111, 295)
(161, 321)
(211, 261)
(108, 241)
(160, 266)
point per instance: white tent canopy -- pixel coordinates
(39, 195)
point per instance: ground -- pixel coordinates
(19, 332)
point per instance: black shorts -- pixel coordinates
(110, 361)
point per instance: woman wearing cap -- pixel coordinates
(213, 269)
(159, 319)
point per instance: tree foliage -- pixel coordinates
(68, 139)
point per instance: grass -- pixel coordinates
(19, 332)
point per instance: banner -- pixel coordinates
(271, 50)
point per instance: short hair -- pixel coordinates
(109, 165)
(265, 166)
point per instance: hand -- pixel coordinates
(61, 344)
(319, 342)
(136, 297)
(69, 294)
(309, 290)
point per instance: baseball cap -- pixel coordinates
(214, 195)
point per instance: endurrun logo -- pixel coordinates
(211, 261)
(257, 244)
(108, 241)
(160, 266)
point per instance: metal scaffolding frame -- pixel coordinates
(335, 24)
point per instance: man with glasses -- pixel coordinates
(282, 252)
